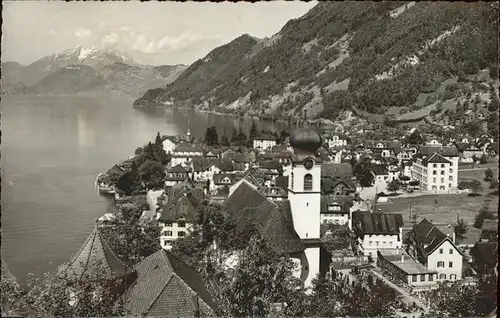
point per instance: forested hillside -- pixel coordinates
(361, 56)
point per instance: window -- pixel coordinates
(291, 182)
(168, 233)
(308, 182)
(442, 276)
(442, 171)
(450, 178)
(370, 243)
(165, 242)
(181, 233)
(434, 172)
(431, 277)
(440, 251)
(450, 264)
(451, 170)
(442, 180)
(433, 180)
(453, 277)
(377, 243)
(434, 165)
(451, 251)
(422, 278)
(181, 224)
(442, 165)
(413, 278)
(440, 264)
(168, 224)
(449, 185)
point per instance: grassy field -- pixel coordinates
(442, 208)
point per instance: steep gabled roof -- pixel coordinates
(429, 237)
(265, 136)
(219, 177)
(338, 170)
(176, 169)
(181, 206)
(94, 259)
(247, 206)
(485, 253)
(187, 147)
(168, 287)
(377, 223)
(435, 158)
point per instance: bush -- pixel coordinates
(462, 185)
(488, 175)
(483, 159)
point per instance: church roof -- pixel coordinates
(246, 205)
(95, 257)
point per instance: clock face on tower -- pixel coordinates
(308, 164)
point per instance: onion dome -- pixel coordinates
(305, 141)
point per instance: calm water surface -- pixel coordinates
(52, 150)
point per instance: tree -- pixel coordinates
(128, 183)
(253, 131)
(65, 296)
(336, 237)
(394, 186)
(488, 175)
(158, 141)
(460, 229)
(414, 183)
(415, 139)
(362, 172)
(224, 141)
(475, 187)
(483, 159)
(211, 137)
(138, 151)
(283, 135)
(152, 173)
(131, 239)
(494, 184)
(483, 214)
(404, 179)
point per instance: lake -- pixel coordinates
(53, 148)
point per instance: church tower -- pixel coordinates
(304, 194)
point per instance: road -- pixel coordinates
(409, 299)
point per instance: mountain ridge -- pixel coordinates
(343, 56)
(103, 71)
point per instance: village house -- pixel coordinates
(184, 153)
(484, 257)
(169, 143)
(264, 142)
(400, 266)
(436, 169)
(175, 175)
(436, 250)
(380, 174)
(222, 180)
(179, 212)
(377, 231)
(274, 193)
(335, 140)
(336, 209)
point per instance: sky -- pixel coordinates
(156, 33)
